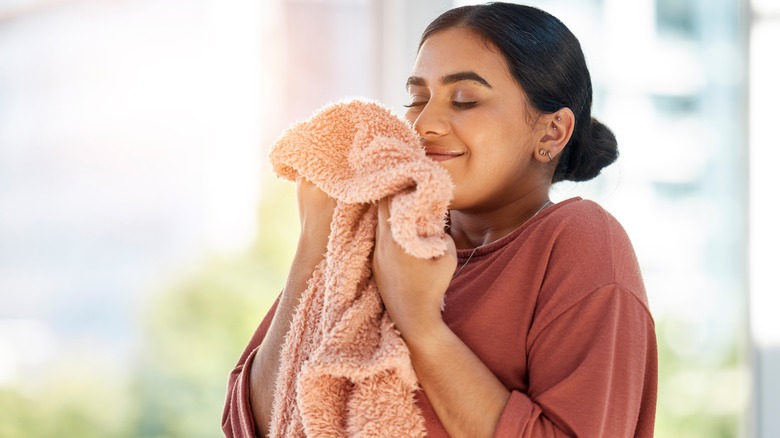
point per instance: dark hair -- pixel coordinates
(546, 59)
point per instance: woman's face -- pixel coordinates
(473, 119)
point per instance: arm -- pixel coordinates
(261, 365)
(412, 290)
(265, 365)
(237, 418)
(440, 358)
(593, 372)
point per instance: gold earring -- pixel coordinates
(544, 153)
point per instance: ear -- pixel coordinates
(556, 130)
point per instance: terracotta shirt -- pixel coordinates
(557, 310)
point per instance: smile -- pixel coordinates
(441, 154)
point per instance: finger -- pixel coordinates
(380, 221)
(384, 209)
(383, 216)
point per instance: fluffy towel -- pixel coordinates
(345, 371)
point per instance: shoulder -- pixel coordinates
(582, 229)
(587, 249)
(582, 218)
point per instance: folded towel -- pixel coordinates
(345, 371)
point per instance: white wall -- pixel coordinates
(764, 223)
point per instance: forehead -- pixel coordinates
(460, 49)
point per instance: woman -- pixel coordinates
(546, 329)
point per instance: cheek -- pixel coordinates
(502, 153)
(476, 132)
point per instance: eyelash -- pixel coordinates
(464, 105)
(456, 104)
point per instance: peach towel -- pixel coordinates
(345, 371)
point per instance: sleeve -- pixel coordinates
(592, 372)
(237, 418)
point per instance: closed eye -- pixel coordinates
(456, 104)
(419, 104)
(464, 105)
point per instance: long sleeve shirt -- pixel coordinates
(557, 310)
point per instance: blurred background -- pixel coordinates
(143, 235)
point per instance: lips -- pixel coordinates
(437, 153)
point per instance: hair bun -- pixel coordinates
(600, 152)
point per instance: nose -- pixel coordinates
(432, 121)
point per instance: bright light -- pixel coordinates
(764, 156)
(24, 344)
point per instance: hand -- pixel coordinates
(315, 211)
(412, 289)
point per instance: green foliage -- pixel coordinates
(195, 332)
(70, 401)
(703, 383)
(192, 334)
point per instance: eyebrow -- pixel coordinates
(450, 79)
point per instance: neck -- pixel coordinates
(470, 229)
